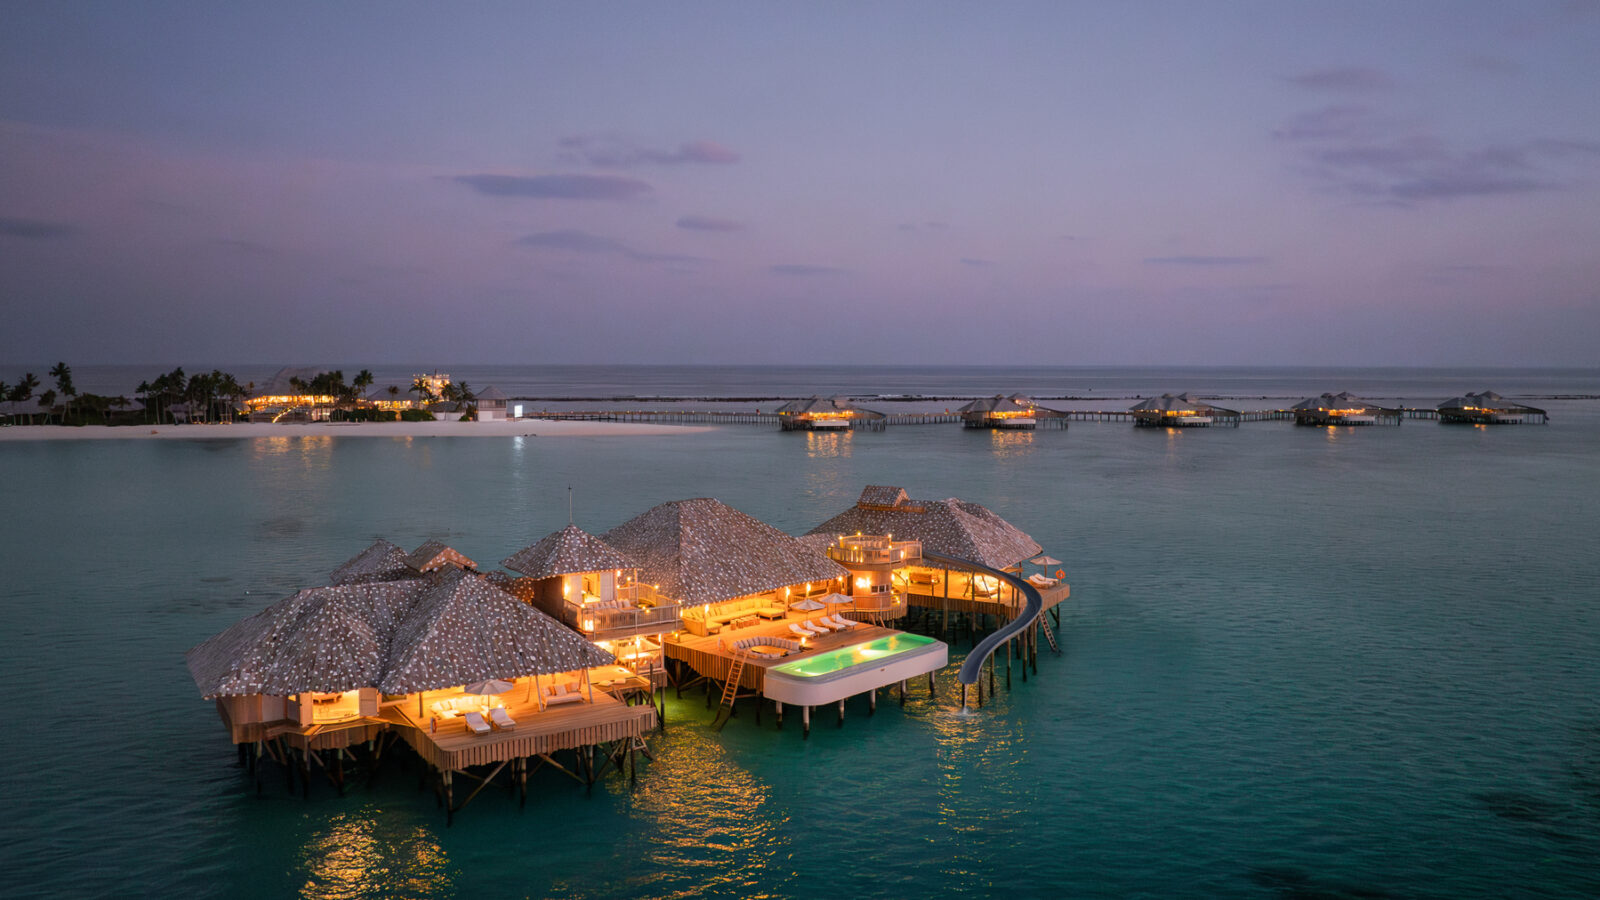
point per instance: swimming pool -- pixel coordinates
(855, 669)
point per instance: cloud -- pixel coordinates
(1343, 79)
(802, 270)
(1205, 260)
(615, 152)
(1492, 65)
(709, 223)
(1354, 151)
(557, 187)
(574, 241)
(35, 229)
(977, 263)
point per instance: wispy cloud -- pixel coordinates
(709, 223)
(616, 152)
(1355, 151)
(574, 241)
(976, 262)
(803, 270)
(1343, 79)
(1205, 260)
(557, 187)
(35, 229)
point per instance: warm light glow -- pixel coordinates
(862, 582)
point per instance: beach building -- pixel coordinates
(491, 404)
(1343, 409)
(284, 397)
(1489, 408)
(596, 590)
(392, 398)
(1015, 412)
(1181, 411)
(462, 672)
(836, 413)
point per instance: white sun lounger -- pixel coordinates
(801, 630)
(840, 622)
(502, 719)
(477, 724)
(822, 628)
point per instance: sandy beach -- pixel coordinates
(240, 430)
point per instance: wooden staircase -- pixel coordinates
(1049, 636)
(730, 692)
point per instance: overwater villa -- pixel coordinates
(483, 675)
(1181, 411)
(1489, 408)
(1013, 412)
(836, 413)
(595, 589)
(1343, 409)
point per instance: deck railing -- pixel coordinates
(874, 550)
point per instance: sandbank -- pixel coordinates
(238, 430)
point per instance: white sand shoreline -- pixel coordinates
(242, 430)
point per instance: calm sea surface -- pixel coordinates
(1298, 662)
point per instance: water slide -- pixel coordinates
(1032, 605)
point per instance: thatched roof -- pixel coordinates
(704, 551)
(997, 403)
(1341, 400)
(447, 629)
(464, 629)
(382, 561)
(1487, 401)
(278, 385)
(948, 527)
(490, 394)
(835, 404)
(1180, 403)
(566, 551)
(437, 554)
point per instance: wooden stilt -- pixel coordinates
(805, 719)
(305, 771)
(841, 713)
(872, 701)
(778, 704)
(449, 800)
(902, 692)
(931, 691)
(1008, 663)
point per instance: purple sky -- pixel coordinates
(1034, 183)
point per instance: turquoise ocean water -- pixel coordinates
(1298, 662)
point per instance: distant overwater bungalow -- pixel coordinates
(1489, 408)
(1343, 409)
(836, 413)
(1182, 411)
(1015, 412)
(490, 675)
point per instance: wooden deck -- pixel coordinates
(705, 656)
(931, 597)
(565, 727)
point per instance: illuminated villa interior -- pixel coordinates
(1343, 409)
(1015, 412)
(1181, 411)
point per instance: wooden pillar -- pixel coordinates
(902, 692)
(805, 719)
(931, 690)
(449, 799)
(1008, 662)
(841, 713)
(872, 701)
(779, 705)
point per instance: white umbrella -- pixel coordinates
(837, 599)
(1045, 561)
(807, 605)
(492, 686)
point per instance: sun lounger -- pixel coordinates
(801, 630)
(502, 719)
(477, 724)
(823, 628)
(841, 623)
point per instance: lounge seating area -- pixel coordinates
(1044, 581)
(767, 647)
(450, 707)
(703, 621)
(561, 692)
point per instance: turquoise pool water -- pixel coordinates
(837, 660)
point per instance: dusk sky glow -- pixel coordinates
(1052, 183)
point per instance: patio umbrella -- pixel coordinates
(837, 599)
(492, 686)
(1046, 561)
(807, 605)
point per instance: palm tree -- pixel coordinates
(47, 402)
(143, 390)
(63, 376)
(419, 386)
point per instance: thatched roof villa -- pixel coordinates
(1489, 408)
(947, 527)
(595, 588)
(1181, 411)
(1343, 409)
(835, 413)
(1013, 412)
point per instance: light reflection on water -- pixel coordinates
(828, 444)
(1010, 444)
(354, 855)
